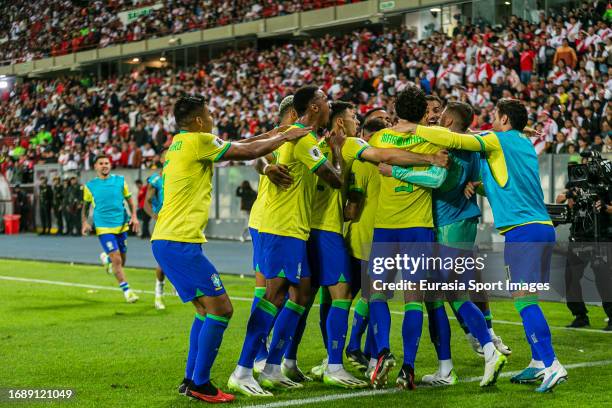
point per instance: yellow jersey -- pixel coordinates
(402, 204)
(366, 180)
(287, 212)
(260, 201)
(187, 181)
(328, 204)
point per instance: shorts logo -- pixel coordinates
(299, 270)
(109, 245)
(216, 281)
(315, 152)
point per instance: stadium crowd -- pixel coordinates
(561, 67)
(44, 28)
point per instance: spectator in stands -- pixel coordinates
(144, 217)
(247, 199)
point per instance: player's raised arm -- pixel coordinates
(264, 145)
(433, 177)
(405, 158)
(485, 142)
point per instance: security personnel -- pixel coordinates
(45, 202)
(58, 198)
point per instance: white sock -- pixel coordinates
(556, 365)
(373, 362)
(243, 372)
(290, 363)
(536, 364)
(492, 332)
(159, 288)
(489, 350)
(272, 369)
(332, 368)
(445, 367)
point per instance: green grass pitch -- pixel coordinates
(118, 355)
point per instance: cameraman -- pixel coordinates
(600, 259)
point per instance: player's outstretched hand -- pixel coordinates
(279, 175)
(296, 133)
(85, 228)
(470, 188)
(385, 169)
(441, 159)
(135, 224)
(531, 132)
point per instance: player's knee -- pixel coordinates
(227, 311)
(275, 297)
(115, 258)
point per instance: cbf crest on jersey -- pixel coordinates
(315, 152)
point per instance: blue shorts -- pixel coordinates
(283, 257)
(414, 242)
(528, 253)
(186, 266)
(328, 258)
(113, 242)
(256, 248)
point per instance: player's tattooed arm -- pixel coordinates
(264, 146)
(354, 205)
(85, 226)
(331, 173)
(405, 158)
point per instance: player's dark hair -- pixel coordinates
(462, 113)
(411, 104)
(303, 97)
(434, 98)
(186, 108)
(338, 108)
(516, 112)
(100, 157)
(374, 125)
(370, 112)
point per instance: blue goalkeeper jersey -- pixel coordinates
(156, 181)
(449, 202)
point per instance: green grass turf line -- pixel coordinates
(115, 354)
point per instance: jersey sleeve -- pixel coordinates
(353, 147)
(433, 177)
(126, 190)
(87, 196)
(307, 151)
(210, 147)
(483, 142)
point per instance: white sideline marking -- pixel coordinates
(243, 299)
(368, 393)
